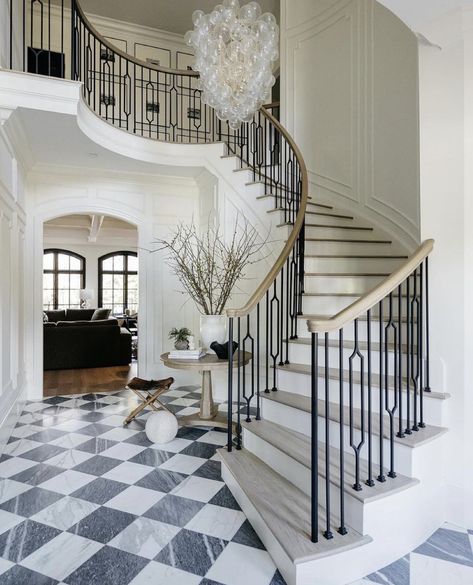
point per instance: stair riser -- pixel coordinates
(357, 285)
(301, 354)
(365, 265)
(325, 305)
(349, 333)
(300, 421)
(300, 476)
(344, 247)
(301, 384)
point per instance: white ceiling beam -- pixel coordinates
(95, 225)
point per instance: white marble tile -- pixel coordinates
(214, 438)
(123, 451)
(242, 564)
(69, 459)
(187, 411)
(30, 418)
(74, 403)
(67, 482)
(110, 399)
(157, 573)
(71, 425)
(65, 512)
(116, 408)
(428, 570)
(145, 537)
(70, 441)
(114, 420)
(25, 431)
(35, 406)
(5, 565)
(128, 472)
(21, 446)
(15, 465)
(174, 446)
(10, 489)
(197, 488)
(216, 521)
(62, 555)
(183, 463)
(119, 434)
(9, 520)
(183, 402)
(454, 527)
(176, 393)
(135, 500)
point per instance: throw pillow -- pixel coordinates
(45, 318)
(100, 314)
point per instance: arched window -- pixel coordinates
(63, 278)
(118, 282)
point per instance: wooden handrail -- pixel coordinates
(374, 296)
(284, 255)
(91, 28)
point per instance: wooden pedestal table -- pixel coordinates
(209, 414)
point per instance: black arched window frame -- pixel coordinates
(56, 271)
(125, 272)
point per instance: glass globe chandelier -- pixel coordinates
(234, 51)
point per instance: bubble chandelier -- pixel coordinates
(234, 49)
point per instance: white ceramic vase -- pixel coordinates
(212, 328)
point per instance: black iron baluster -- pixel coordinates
(230, 385)
(409, 353)
(238, 425)
(248, 337)
(420, 344)
(381, 477)
(369, 482)
(400, 432)
(356, 446)
(281, 318)
(267, 343)
(391, 410)
(342, 528)
(288, 307)
(274, 335)
(415, 365)
(328, 532)
(258, 351)
(11, 36)
(314, 460)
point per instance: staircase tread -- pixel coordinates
(346, 241)
(299, 402)
(285, 509)
(348, 344)
(374, 317)
(357, 256)
(319, 213)
(340, 227)
(340, 294)
(344, 274)
(334, 375)
(298, 447)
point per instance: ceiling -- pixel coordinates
(89, 229)
(47, 134)
(169, 15)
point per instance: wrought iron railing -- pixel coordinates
(372, 406)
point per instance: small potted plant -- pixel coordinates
(181, 337)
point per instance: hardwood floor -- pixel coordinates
(83, 381)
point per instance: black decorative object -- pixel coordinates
(221, 349)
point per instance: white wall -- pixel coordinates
(12, 289)
(350, 98)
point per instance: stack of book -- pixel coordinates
(186, 354)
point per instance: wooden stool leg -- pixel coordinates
(149, 401)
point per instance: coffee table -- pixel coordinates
(209, 414)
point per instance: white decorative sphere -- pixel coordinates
(161, 427)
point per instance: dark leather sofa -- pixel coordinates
(73, 340)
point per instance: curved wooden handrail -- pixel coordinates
(91, 28)
(284, 255)
(374, 296)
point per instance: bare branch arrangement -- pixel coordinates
(209, 267)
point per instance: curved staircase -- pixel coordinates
(334, 430)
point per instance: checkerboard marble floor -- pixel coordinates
(84, 501)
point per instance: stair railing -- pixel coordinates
(400, 307)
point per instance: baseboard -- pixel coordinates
(11, 406)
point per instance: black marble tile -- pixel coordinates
(278, 579)
(174, 510)
(209, 582)
(109, 566)
(190, 433)
(4, 457)
(92, 397)
(31, 502)
(161, 480)
(175, 408)
(210, 470)
(103, 524)
(246, 535)
(100, 490)
(93, 405)
(95, 429)
(24, 539)
(47, 435)
(93, 417)
(56, 400)
(96, 445)
(191, 552)
(43, 453)
(97, 465)
(197, 449)
(37, 474)
(139, 439)
(152, 457)
(225, 499)
(18, 575)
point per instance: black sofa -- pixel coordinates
(73, 338)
